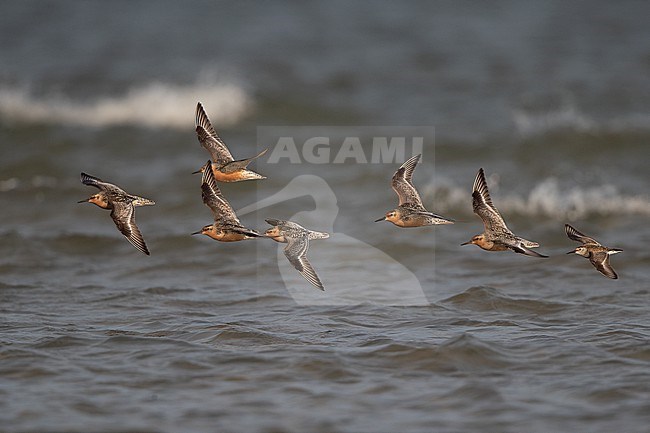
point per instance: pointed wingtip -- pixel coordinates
(272, 221)
(411, 162)
(527, 251)
(480, 176)
(88, 179)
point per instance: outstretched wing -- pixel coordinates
(600, 261)
(245, 231)
(522, 249)
(575, 235)
(403, 185)
(275, 222)
(123, 215)
(438, 219)
(212, 197)
(87, 179)
(296, 251)
(209, 139)
(242, 163)
(483, 206)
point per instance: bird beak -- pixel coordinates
(82, 201)
(571, 252)
(197, 171)
(466, 243)
(380, 219)
(197, 233)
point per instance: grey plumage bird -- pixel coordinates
(591, 249)
(122, 206)
(297, 239)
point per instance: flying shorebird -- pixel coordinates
(591, 249)
(297, 239)
(224, 166)
(410, 211)
(496, 236)
(226, 226)
(122, 206)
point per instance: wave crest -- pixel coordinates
(158, 104)
(548, 198)
(531, 123)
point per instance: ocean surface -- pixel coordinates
(413, 332)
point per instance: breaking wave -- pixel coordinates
(549, 198)
(567, 117)
(161, 105)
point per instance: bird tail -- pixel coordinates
(243, 163)
(318, 235)
(141, 201)
(529, 244)
(522, 249)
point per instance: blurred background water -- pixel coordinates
(550, 98)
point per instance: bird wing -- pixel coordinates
(238, 228)
(209, 139)
(274, 222)
(433, 215)
(212, 197)
(317, 235)
(600, 260)
(523, 249)
(403, 185)
(123, 215)
(87, 179)
(575, 235)
(242, 163)
(296, 251)
(483, 206)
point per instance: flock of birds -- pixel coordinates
(410, 212)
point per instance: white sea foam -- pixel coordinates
(568, 117)
(160, 105)
(549, 199)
